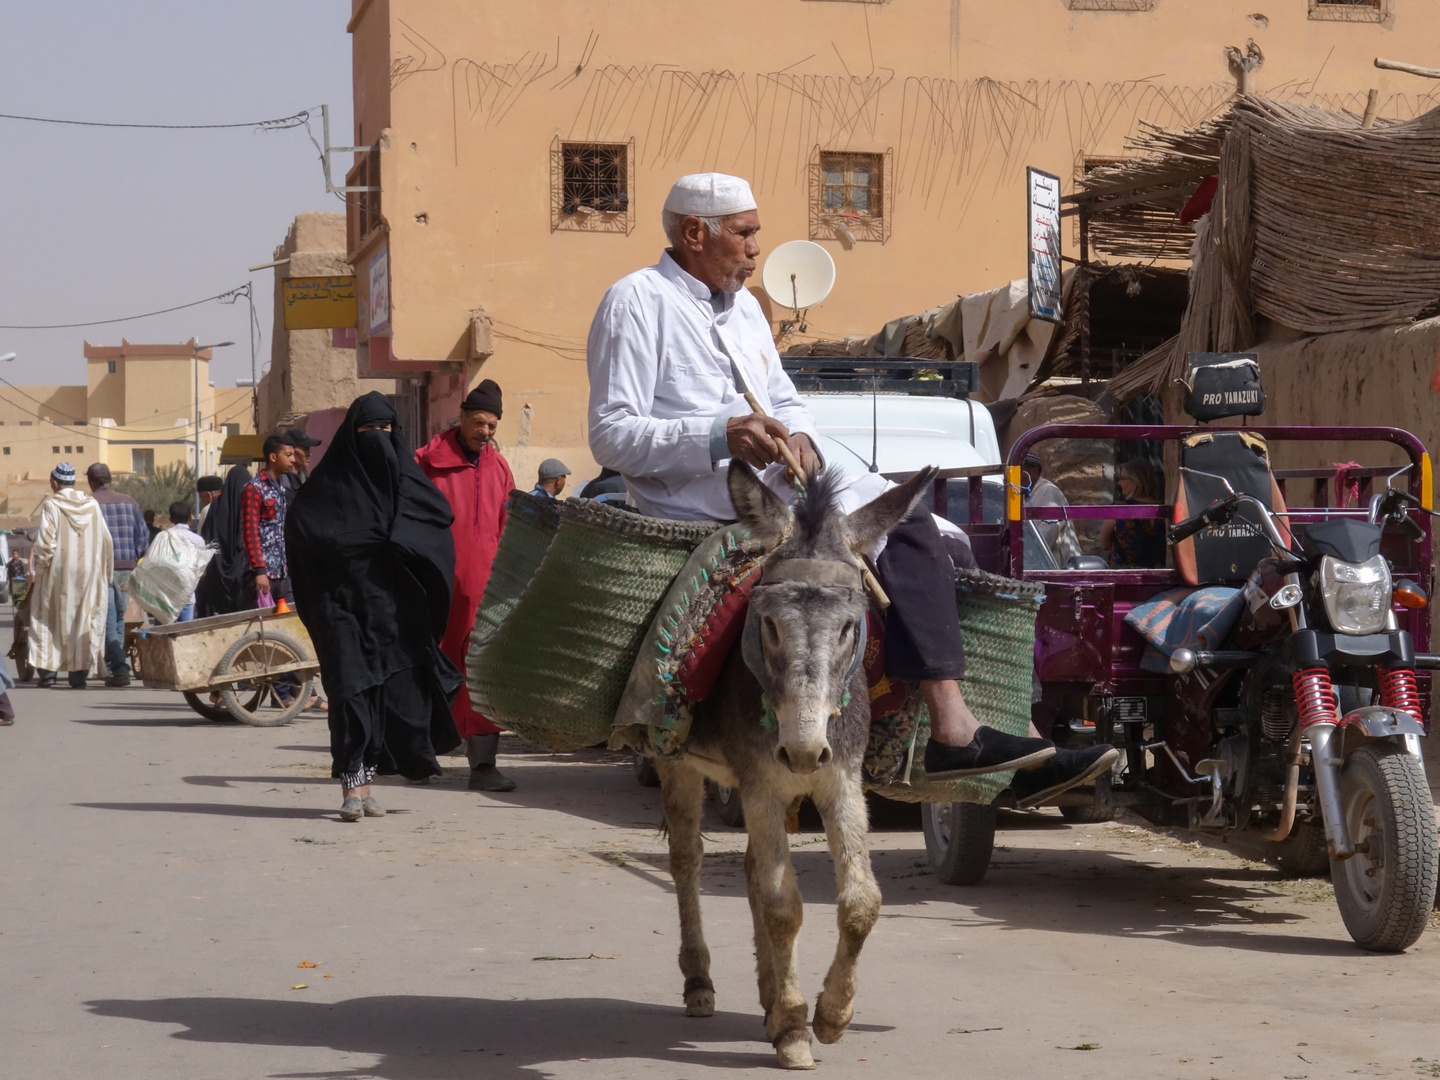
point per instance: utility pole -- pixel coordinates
(198, 349)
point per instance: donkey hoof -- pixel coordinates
(830, 1024)
(793, 1049)
(699, 996)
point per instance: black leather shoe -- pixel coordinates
(990, 751)
(1067, 769)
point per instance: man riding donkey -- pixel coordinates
(672, 351)
(685, 381)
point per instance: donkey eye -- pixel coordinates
(770, 627)
(845, 631)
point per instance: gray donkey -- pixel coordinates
(789, 718)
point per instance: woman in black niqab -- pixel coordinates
(372, 563)
(221, 589)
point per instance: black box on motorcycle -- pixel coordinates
(1218, 385)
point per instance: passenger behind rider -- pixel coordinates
(1058, 536)
(1135, 543)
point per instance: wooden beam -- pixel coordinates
(1409, 69)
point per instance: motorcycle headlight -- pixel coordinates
(1356, 597)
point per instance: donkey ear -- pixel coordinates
(864, 528)
(759, 509)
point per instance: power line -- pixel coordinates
(223, 297)
(280, 124)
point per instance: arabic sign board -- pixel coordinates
(379, 306)
(318, 303)
(1042, 205)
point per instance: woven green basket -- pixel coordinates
(530, 525)
(997, 626)
(554, 670)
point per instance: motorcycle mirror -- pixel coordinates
(1182, 661)
(1210, 476)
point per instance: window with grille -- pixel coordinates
(142, 462)
(848, 197)
(54, 449)
(362, 208)
(7, 449)
(1349, 10)
(110, 367)
(592, 186)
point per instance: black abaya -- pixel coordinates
(372, 564)
(221, 589)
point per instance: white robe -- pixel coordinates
(659, 359)
(74, 562)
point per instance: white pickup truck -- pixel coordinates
(876, 413)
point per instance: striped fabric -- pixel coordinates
(73, 565)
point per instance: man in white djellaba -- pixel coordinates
(74, 561)
(671, 352)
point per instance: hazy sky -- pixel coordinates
(99, 223)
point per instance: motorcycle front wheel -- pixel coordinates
(1386, 890)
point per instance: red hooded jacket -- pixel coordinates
(477, 492)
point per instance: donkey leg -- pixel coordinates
(764, 956)
(857, 905)
(682, 792)
(781, 910)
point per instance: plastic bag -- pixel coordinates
(165, 579)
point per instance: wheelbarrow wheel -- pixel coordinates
(959, 839)
(251, 693)
(207, 709)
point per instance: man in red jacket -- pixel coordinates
(465, 465)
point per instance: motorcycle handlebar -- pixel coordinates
(1212, 515)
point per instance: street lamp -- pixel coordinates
(6, 357)
(198, 350)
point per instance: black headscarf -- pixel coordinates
(372, 561)
(221, 589)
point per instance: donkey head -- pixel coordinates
(804, 631)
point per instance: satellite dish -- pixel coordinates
(798, 274)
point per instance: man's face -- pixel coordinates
(299, 456)
(477, 428)
(725, 261)
(282, 461)
(556, 486)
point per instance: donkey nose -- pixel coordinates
(804, 759)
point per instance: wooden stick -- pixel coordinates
(1372, 103)
(872, 583)
(1409, 69)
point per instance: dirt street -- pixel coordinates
(169, 883)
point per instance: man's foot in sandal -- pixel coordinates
(989, 751)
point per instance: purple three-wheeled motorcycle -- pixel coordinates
(1270, 678)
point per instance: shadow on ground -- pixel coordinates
(438, 1038)
(219, 809)
(1107, 893)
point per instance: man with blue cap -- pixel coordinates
(73, 565)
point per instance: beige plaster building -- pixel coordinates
(311, 370)
(519, 154)
(135, 412)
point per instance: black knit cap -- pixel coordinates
(484, 397)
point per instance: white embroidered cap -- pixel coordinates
(710, 195)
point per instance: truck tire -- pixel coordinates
(959, 840)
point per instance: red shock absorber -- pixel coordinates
(1314, 696)
(1398, 691)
